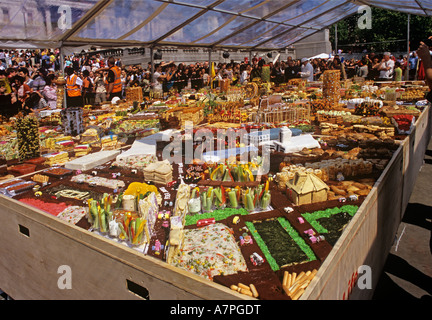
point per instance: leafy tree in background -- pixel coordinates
(388, 32)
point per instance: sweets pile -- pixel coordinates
(331, 86)
(28, 137)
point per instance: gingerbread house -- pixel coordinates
(306, 188)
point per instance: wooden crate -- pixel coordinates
(35, 245)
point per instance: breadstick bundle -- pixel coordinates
(248, 290)
(295, 284)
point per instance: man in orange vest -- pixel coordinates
(73, 89)
(113, 81)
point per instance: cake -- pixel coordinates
(135, 161)
(82, 150)
(91, 160)
(73, 214)
(91, 136)
(64, 145)
(98, 181)
(210, 251)
(56, 158)
(109, 142)
(159, 172)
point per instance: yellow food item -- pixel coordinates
(137, 188)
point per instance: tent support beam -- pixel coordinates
(188, 21)
(299, 26)
(98, 8)
(255, 22)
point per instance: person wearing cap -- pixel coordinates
(386, 68)
(307, 71)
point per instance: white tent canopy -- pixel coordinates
(320, 56)
(240, 24)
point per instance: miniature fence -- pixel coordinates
(287, 113)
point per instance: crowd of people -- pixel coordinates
(28, 77)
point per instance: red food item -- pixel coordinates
(58, 172)
(36, 161)
(205, 222)
(51, 208)
(23, 168)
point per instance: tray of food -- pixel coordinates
(15, 189)
(57, 172)
(36, 161)
(22, 169)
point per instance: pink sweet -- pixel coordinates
(51, 208)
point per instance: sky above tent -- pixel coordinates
(246, 24)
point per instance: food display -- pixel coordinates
(260, 225)
(331, 86)
(27, 131)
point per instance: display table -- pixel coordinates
(36, 246)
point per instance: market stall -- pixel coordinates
(328, 172)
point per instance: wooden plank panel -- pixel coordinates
(414, 150)
(99, 266)
(366, 240)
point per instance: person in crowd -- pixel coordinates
(38, 82)
(291, 71)
(374, 72)
(73, 89)
(397, 71)
(170, 77)
(87, 88)
(412, 65)
(100, 88)
(146, 84)
(113, 80)
(350, 68)
(386, 68)
(277, 73)
(423, 53)
(362, 67)
(245, 70)
(124, 81)
(4, 83)
(24, 73)
(337, 64)
(49, 92)
(35, 103)
(256, 71)
(205, 76)
(307, 71)
(23, 90)
(158, 79)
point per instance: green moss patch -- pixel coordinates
(220, 214)
(280, 243)
(331, 222)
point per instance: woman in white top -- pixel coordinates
(245, 74)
